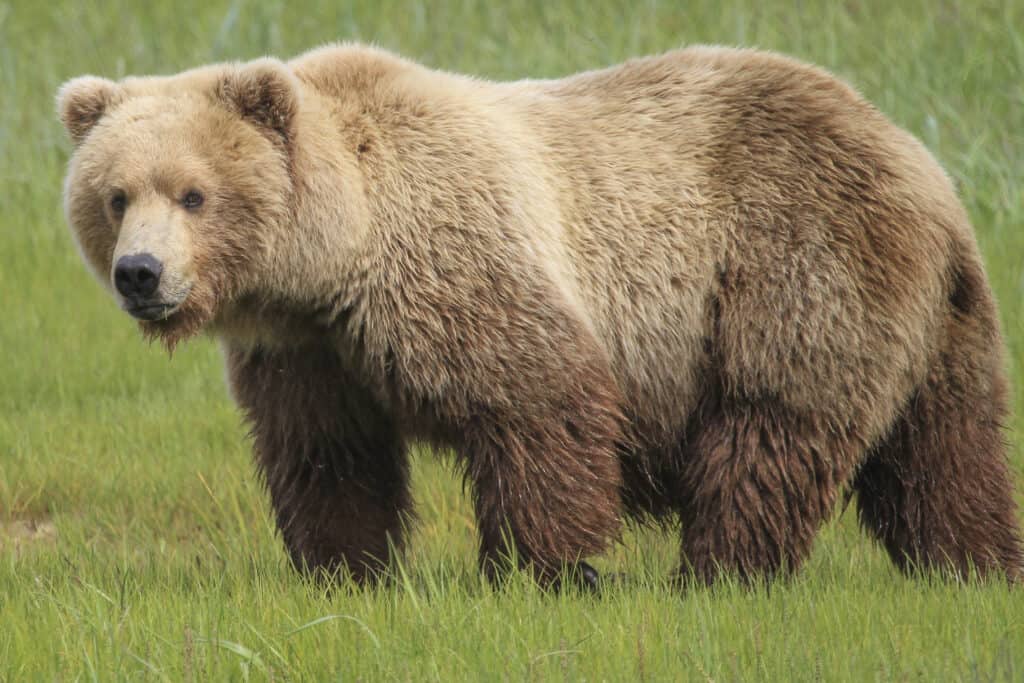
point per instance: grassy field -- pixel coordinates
(135, 540)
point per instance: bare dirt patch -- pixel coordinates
(22, 534)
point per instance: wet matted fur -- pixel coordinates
(713, 285)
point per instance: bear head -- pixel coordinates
(178, 186)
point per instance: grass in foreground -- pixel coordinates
(135, 540)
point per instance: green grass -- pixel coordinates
(135, 541)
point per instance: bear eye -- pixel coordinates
(193, 199)
(118, 202)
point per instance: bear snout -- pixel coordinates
(137, 276)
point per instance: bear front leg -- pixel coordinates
(547, 486)
(333, 464)
(492, 353)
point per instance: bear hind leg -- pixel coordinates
(758, 483)
(937, 491)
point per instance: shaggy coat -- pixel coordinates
(713, 285)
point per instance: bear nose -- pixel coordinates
(137, 275)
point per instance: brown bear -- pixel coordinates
(713, 285)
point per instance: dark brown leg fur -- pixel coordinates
(336, 471)
(759, 482)
(937, 492)
(547, 490)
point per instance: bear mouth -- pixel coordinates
(150, 312)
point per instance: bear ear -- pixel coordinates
(264, 92)
(82, 101)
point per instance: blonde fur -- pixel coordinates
(555, 277)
